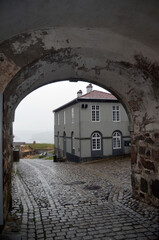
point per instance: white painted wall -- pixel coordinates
(106, 126)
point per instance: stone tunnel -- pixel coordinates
(114, 44)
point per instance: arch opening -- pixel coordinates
(87, 106)
(112, 76)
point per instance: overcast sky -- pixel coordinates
(34, 117)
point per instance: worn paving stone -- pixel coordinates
(79, 201)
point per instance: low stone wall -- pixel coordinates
(38, 151)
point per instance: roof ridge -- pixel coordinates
(87, 93)
(90, 93)
(87, 98)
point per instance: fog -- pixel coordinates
(34, 119)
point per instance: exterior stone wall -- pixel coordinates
(7, 167)
(145, 166)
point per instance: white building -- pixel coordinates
(92, 126)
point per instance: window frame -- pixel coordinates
(64, 117)
(116, 113)
(58, 119)
(72, 142)
(95, 113)
(116, 139)
(96, 141)
(58, 140)
(73, 115)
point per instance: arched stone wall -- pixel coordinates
(125, 67)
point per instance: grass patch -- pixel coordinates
(51, 152)
(42, 156)
(41, 145)
(34, 157)
(49, 158)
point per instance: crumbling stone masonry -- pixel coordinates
(145, 164)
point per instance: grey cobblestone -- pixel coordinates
(51, 201)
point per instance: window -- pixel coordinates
(58, 140)
(116, 113)
(96, 141)
(58, 119)
(64, 117)
(64, 144)
(116, 140)
(95, 113)
(73, 142)
(73, 115)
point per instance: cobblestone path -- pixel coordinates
(79, 201)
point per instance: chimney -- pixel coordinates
(79, 93)
(89, 88)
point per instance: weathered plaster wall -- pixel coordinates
(133, 78)
(40, 55)
(114, 46)
(137, 20)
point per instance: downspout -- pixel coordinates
(79, 129)
(55, 145)
(1, 160)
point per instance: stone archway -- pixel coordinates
(40, 57)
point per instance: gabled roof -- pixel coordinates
(93, 96)
(98, 95)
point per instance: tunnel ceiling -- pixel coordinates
(136, 20)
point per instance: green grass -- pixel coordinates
(34, 157)
(38, 156)
(49, 158)
(42, 156)
(41, 146)
(51, 152)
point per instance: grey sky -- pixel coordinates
(34, 113)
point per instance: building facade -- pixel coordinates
(92, 126)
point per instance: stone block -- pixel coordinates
(133, 155)
(156, 135)
(148, 153)
(155, 188)
(149, 140)
(139, 165)
(135, 183)
(147, 134)
(142, 150)
(143, 185)
(140, 137)
(155, 154)
(142, 195)
(147, 164)
(147, 172)
(11, 237)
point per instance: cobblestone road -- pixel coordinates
(79, 201)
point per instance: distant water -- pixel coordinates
(30, 136)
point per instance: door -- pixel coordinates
(96, 144)
(117, 143)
